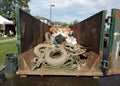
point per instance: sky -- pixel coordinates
(69, 10)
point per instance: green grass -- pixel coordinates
(3, 38)
(5, 48)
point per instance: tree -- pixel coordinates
(73, 23)
(7, 7)
(64, 25)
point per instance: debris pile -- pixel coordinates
(59, 51)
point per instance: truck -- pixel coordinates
(89, 33)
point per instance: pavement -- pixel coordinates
(7, 40)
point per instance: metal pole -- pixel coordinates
(51, 12)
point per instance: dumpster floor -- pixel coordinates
(62, 81)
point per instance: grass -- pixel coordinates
(3, 38)
(5, 48)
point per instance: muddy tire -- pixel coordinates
(40, 49)
(47, 38)
(69, 47)
(75, 50)
(56, 56)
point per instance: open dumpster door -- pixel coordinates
(114, 43)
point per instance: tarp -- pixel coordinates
(5, 21)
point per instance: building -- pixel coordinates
(47, 21)
(43, 19)
(57, 23)
(6, 26)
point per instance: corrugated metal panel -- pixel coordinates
(89, 32)
(31, 31)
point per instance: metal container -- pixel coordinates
(11, 61)
(89, 33)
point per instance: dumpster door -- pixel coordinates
(114, 43)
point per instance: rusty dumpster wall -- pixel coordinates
(31, 31)
(88, 32)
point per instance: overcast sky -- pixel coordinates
(70, 10)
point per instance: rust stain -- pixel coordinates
(32, 31)
(117, 13)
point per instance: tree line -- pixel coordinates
(7, 7)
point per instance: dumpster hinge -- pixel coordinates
(104, 64)
(108, 20)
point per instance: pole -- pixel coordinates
(51, 12)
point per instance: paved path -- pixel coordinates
(7, 40)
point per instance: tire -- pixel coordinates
(54, 60)
(47, 37)
(75, 50)
(69, 47)
(41, 49)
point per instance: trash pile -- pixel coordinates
(59, 51)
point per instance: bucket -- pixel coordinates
(11, 61)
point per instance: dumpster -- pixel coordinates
(11, 61)
(89, 33)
